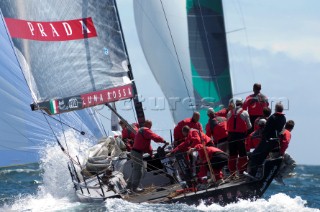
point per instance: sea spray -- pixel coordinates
(54, 163)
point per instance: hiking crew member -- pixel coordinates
(285, 137)
(218, 160)
(237, 125)
(216, 128)
(270, 140)
(288, 164)
(142, 144)
(253, 140)
(127, 134)
(255, 103)
(192, 122)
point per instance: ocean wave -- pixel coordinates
(13, 171)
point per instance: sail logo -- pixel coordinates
(73, 103)
(51, 31)
(105, 96)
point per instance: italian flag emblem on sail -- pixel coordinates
(54, 106)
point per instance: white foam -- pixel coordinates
(56, 191)
(277, 202)
(43, 203)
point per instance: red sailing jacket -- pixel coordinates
(253, 140)
(285, 138)
(217, 128)
(127, 134)
(210, 150)
(254, 104)
(177, 132)
(142, 140)
(223, 112)
(194, 138)
(235, 123)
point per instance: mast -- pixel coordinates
(137, 104)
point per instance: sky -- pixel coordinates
(275, 43)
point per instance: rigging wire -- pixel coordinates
(63, 132)
(60, 145)
(134, 114)
(247, 39)
(100, 121)
(175, 50)
(102, 115)
(46, 115)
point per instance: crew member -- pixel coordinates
(128, 134)
(269, 141)
(142, 144)
(255, 103)
(288, 164)
(217, 158)
(266, 113)
(193, 137)
(253, 140)
(216, 128)
(192, 122)
(237, 125)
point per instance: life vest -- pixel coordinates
(255, 104)
(218, 128)
(236, 123)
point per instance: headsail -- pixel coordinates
(71, 52)
(185, 45)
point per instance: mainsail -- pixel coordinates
(71, 52)
(23, 131)
(185, 45)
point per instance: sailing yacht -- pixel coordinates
(73, 56)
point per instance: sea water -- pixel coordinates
(47, 186)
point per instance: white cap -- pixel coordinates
(236, 101)
(262, 122)
(210, 111)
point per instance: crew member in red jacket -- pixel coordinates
(223, 112)
(285, 136)
(127, 134)
(288, 164)
(142, 144)
(237, 125)
(192, 122)
(255, 103)
(218, 160)
(253, 140)
(193, 137)
(216, 128)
